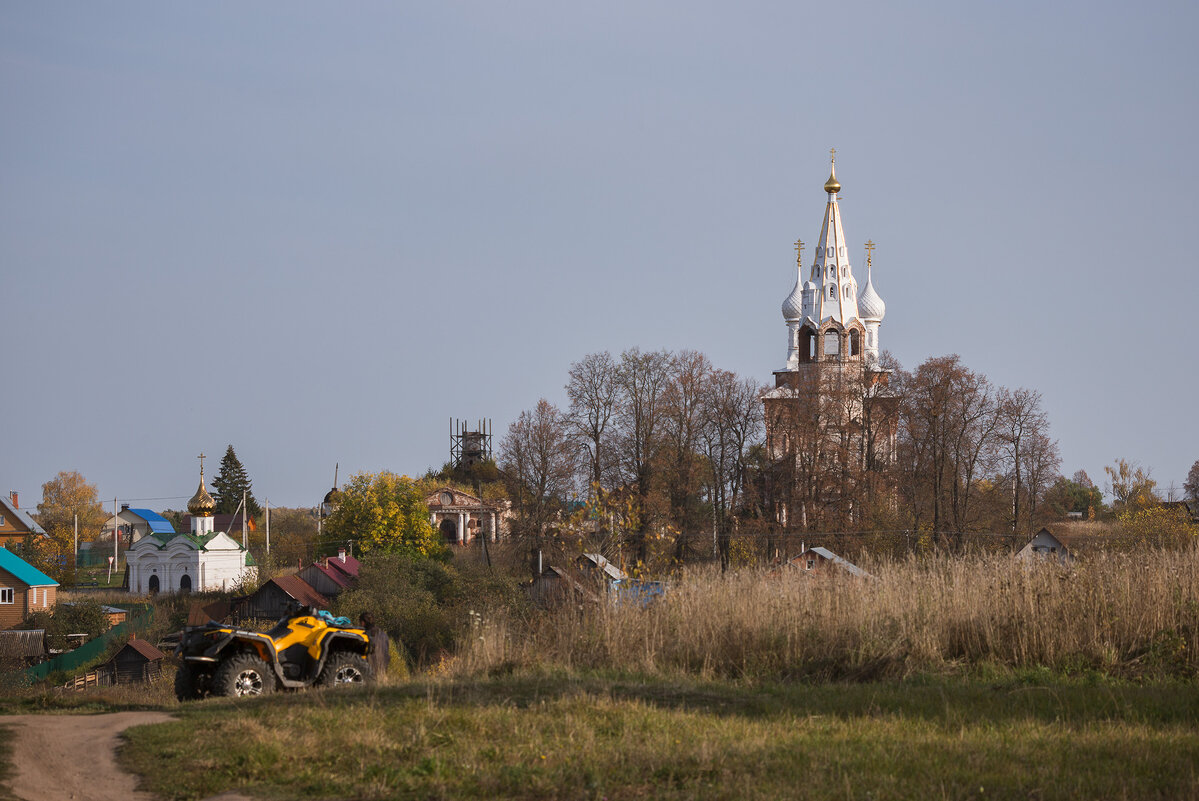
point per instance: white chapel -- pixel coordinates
(203, 559)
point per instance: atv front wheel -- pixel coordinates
(343, 669)
(192, 683)
(244, 674)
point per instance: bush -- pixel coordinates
(74, 617)
(423, 604)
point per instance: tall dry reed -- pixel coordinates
(1125, 615)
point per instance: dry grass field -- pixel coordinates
(1125, 615)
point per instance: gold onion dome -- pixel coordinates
(832, 185)
(202, 504)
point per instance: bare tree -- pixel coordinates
(947, 439)
(642, 379)
(1191, 485)
(682, 399)
(1020, 419)
(538, 459)
(592, 389)
(731, 416)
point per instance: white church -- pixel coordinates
(203, 559)
(831, 418)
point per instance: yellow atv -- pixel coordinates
(302, 650)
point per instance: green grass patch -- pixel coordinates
(613, 738)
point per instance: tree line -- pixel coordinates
(666, 456)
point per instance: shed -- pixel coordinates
(822, 559)
(20, 649)
(1046, 546)
(556, 586)
(137, 661)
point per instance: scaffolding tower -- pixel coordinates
(467, 447)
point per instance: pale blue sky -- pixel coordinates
(318, 231)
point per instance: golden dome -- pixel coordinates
(201, 504)
(832, 185)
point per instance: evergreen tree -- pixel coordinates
(228, 485)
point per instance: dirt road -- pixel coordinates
(73, 757)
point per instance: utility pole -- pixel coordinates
(268, 526)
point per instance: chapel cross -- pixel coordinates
(201, 458)
(799, 252)
(869, 250)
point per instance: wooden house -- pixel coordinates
(23, 589)
(280, 596)
(137, 661)
(15, 523)
(346, 565)
(326, 579)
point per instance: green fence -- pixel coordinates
(138, 619)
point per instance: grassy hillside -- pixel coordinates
(595, 738)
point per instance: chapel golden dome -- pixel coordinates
(201, 504)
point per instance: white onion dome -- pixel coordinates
(870, 305)
(793, 305)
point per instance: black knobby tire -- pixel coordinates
(242, 675)
(345, 669)
(192, 683)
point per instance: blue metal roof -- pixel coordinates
(23, 571)
(158, 523)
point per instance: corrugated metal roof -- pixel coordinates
(147, 650)
(610, 570)
(844, 563)
(158, 524)
(300, 590)
(25, 518)
(349, 565)
(23, 644)
(23, 571)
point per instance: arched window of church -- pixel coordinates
(832, 343)
(832, 292)
(842, 251)
(855, 344)
(828, 252)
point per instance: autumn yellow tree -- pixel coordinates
(1131, 486)
(64, 497)
(383, 512)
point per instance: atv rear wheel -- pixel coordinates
(345, 668)
(244, 674)
(192, 683)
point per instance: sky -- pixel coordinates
(318, 232)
